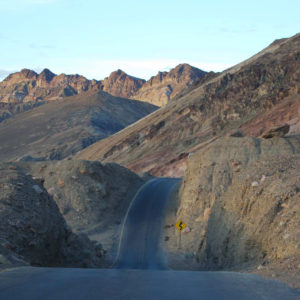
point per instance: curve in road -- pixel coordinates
(140, 238)
(139, 248)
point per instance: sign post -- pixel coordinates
(180, 225)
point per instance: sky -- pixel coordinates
(95, 37)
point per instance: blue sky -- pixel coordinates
(94, 37)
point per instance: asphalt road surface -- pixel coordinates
(140, 237)
(140, 268)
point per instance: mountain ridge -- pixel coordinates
(29, 86)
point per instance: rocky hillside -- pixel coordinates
(8, 110)
(163, 87)
(253, 96)
(120, 84)
(240, 199)
(63, 213)
(32, 231)
(60, 128)
(92, 197)
(159, 89)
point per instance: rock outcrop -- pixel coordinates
(32, 231)
(240, 198)
(280, 131)
(120, 84)
(163, 87)
(93, 198)
(28, 86)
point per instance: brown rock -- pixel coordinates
(163, 87)
(31, 227)
(26, 86)
(206, 213)
(60, 183)
(276, 132)
(122, 85)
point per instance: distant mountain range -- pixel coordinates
(73, 113)
(28, 86)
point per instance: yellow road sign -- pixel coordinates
(180, 225)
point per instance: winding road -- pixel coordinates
(140, 238)
(140, 268)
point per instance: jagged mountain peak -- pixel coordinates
(28, 86)
(24, 74)
(121, 84)
(121, 74)
(28, 73)
(165, 86)
(46, 75)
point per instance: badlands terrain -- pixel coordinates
(75, 151)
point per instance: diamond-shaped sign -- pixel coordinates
(180, 225)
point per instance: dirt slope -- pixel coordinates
(61, 128)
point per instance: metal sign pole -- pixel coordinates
(179, 247)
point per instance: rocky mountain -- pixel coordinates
(60, 128)
(163, 87)
(28, 86)
(120, 84)
(159, 89)
(251, 97)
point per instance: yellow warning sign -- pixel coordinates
(180, 225)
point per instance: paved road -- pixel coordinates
(140, 246)
(112, 284)
(139, 249)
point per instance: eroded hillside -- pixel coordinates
(240, 199)
(32, 231)
(65, 213)
(161, 142)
